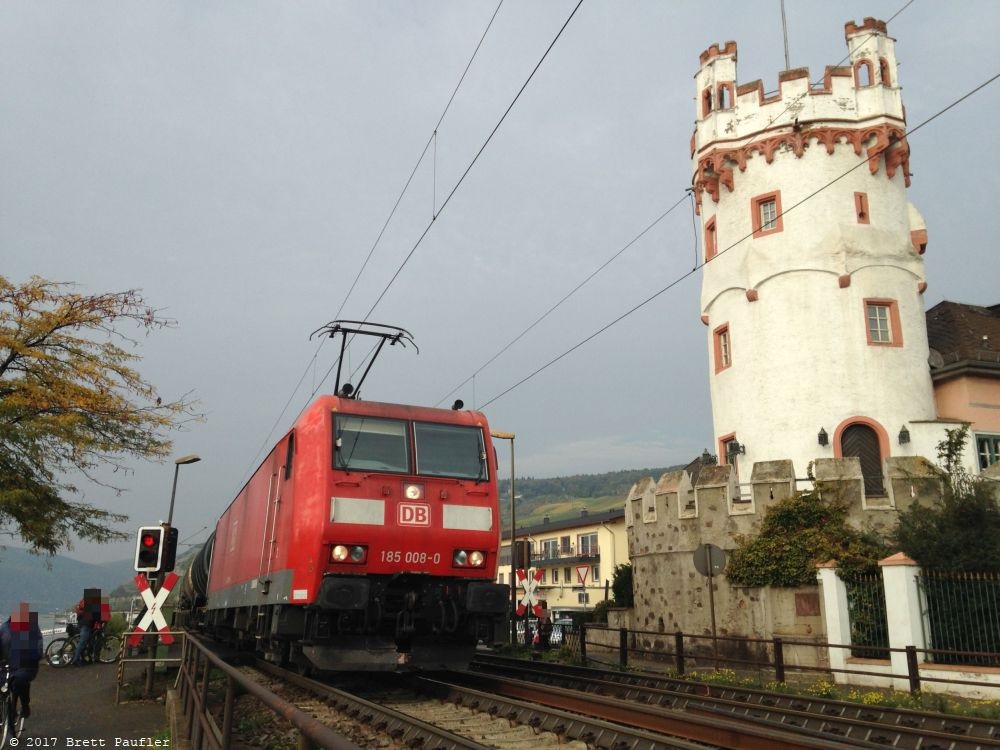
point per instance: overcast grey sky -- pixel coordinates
(236, 162)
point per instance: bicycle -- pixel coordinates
(11, 719)
(101, 648)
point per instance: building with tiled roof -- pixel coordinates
(965, 369)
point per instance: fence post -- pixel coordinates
(583, 643)
(836, 617)
(913, 669)
(622, 647)
(679, 652)
(903, 615)
(779, 661)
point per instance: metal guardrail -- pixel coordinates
(772, 649)
(201, 728)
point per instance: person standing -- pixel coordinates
(21, 648)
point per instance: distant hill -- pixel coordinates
(562, 497)
(53, 584)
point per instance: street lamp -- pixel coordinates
(513, 563)
(178, 462)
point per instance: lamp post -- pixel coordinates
(513, 531)
(178, 462)
(157, 578)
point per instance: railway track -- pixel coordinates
(431, 714)
(444, 711)
(855, 725)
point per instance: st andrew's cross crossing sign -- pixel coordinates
(153, 614)
(530, 599)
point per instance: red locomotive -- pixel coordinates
(368, 538)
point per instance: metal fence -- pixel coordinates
(961, 614)
(681, 653)
(869, 626)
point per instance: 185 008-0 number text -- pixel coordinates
(414, 558)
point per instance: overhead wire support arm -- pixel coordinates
(386, 333)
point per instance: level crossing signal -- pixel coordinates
(155, 549)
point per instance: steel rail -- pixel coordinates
(404, 729)
(721, 732)
(566, 725)
(858, 723)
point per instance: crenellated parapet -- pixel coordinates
(858, 105)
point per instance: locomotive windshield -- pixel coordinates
(441, 450)
(445, 450)
(370, 443)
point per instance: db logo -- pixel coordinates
(414, 514)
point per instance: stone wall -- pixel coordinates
(670, 518)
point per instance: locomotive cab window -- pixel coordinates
(370, 444)
(445, 450)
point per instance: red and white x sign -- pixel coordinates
(529, 599)
(153, 614)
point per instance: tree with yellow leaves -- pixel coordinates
(71, 404)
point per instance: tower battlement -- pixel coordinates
(864, 92)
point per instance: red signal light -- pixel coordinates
(148, 540)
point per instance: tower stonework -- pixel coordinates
(813, 275)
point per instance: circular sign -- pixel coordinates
(709, 560)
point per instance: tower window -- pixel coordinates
(863, 73)
(861, 208)
(722, 347)
(706, 102)
(711, 246)
(882, 321)
(725, 95)
(883, 66)
(766, 213)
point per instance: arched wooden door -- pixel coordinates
(862, 441)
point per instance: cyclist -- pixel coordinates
(21, 648)
(91, 614)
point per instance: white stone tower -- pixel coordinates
(813, 278)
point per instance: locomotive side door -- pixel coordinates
(269, 540)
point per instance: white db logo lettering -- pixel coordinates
(414, 514)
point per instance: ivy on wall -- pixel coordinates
(796, 535)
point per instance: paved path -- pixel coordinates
(75, 707)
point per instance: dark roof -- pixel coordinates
(586, 518)
(963, 339)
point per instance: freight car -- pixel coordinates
(367, 539)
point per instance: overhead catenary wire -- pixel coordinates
(465, 173)
(575, 289)
(690, 273)
(392, 212)
(602, 267)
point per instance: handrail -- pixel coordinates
(197, 662)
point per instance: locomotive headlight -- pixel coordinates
(461, 558)
(343, 553)
(476, 559)
(413, 491)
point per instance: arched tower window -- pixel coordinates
(861, 440)
(706, 102)
(883, 66)
(863, 73)
(725, 95)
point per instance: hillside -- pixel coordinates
(53, 584)
(561, 497)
